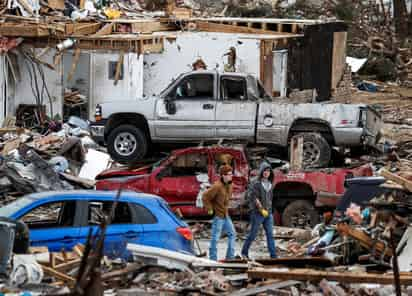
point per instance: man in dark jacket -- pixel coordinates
(259, 196)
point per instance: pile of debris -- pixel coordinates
(63, 160)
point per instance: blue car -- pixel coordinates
(60, 220)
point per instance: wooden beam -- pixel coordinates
(107, 29)
(280, 28)
(213, 27)
(76, 57)
(296, 153)
(149, 27)
(303, 274)
(62, 267)
(119, 68)
(58, 275)
(23, 30)
(397, 179)
(265, 288)
(363, 238)
(81, 29)
(56, 4)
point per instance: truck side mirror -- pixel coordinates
(170, 106)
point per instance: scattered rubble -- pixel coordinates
(32, 162)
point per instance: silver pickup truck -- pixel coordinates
(207, 105)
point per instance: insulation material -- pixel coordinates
(96, 162)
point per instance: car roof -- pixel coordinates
(201, 71)
(95, 194)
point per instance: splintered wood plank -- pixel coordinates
(213, 27)
(303, 274)
(397, 179)
(78, 250)
(119, 68)
(80, 29)
(76, 57)
(23, 30)
(363, 238)
(58, 275)
(107, 29)
(148, 27)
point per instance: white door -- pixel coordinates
(194, 103)
(280, 63)
(235, 111)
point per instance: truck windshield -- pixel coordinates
(166, 90)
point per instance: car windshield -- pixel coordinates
(167, 89)
(157, 163)
(14, 206)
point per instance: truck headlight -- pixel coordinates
(268, 120)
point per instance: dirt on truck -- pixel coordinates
(181, 177)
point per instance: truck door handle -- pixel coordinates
(207, 106)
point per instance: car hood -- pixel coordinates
(124, 172)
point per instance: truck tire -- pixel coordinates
(316, 150)
(300, 214)
(127, 144)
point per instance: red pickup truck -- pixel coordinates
(178, 178)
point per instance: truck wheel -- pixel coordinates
(300, 214)
(316, 150)
(127, 144)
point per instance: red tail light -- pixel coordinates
(185, 232)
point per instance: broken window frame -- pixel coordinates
(216, 164)
(138, 210)
(256, 90)
(57, 224)
(107, 205)
(235, 78)
(167, 170)
(112, 70)
(172, 94)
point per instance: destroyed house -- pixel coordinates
(69, 67)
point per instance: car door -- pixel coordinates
(55, 225)
(122, 230)
(194, 102)
(178, 180)
(154, 232)
(235, 111)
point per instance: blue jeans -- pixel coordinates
(220, 225)
(256, 219)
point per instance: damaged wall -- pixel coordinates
(180, 54)
(311, 59)
(103, 89)
(93, 76)
(53, 80)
